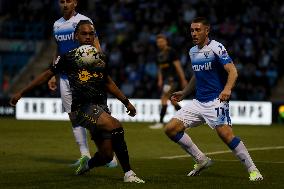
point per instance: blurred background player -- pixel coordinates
(170, 76)
(214, 78)
(89, 101)
(64, 35)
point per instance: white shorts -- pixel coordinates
(195, 113)
(66, 94)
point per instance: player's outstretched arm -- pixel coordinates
(115, 91)
(52, 83)
(42, 78)
(189, 88)
(232, 77)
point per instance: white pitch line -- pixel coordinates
(227, 160)
(226, 151)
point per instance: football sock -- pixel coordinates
(80, 135)
(187, 144)
(163, 113)
(177, 107)
(241, 152)
(120, 148)
(97, 160)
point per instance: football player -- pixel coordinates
(214, 78)
(89, 84)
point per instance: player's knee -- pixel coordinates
(115, 124)
(171, 129)
(72, 117)
(225, 133)
(164, 100)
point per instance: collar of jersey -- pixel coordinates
(71, 16)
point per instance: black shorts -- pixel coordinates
(87, 117)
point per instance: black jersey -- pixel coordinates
(165, 60)
(87, 81)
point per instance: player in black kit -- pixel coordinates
(170, 75)
(89, 83)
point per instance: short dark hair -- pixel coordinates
(161, 36)
(202, 20)
(82, 22)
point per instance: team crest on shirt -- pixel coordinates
(206, 54)
(74, 24)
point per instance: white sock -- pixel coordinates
(80, 135)
(242, 154)
(186, 143)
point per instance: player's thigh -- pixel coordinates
(189, 115)
(107, 122)
(91, 116)
(215, 113)
(66, 94)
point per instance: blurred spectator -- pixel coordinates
(6, 82)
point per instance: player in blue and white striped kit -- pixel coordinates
(63, 30)
(214, 77)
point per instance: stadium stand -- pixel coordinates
(24, 35)
(127, 30)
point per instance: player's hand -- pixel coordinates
(52, 84)
(225, 95)
(177, 96)
(15, 98)
(130, 109)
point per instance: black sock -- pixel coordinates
(163, 113)
(120, 148)
(177, 107)
(97, 161)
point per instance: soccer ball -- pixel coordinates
(87, 54)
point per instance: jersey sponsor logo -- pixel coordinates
(64, 37)
(206, 66)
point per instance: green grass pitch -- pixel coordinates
(36, 154)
